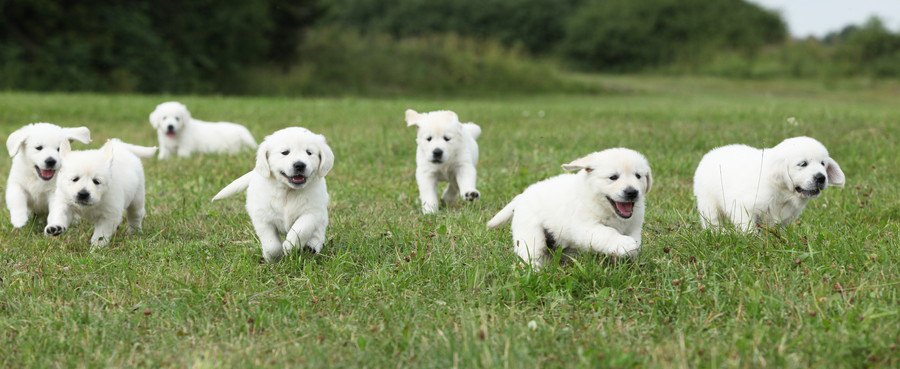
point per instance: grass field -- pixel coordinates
(394, 288)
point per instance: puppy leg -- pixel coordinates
(709, 214)
(58, 219)
(317, 240)
(603, 239)
(301, 233)
(164, 152)
(269, 241)
(742, 219)
(17, 203)
(529, 242)
(466, 176)
(136, 212)
(105, 228)
(427, 191)
(183, 152)
(451, 193)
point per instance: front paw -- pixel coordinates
(18, 223)
(428, 208)
(54, 230)
(626, 246)
(472, 195)
(100, 241)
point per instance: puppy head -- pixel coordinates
(85, 178)
(169, 118)
(619, 177)
(294, 156)
(804, 167)
(42, 146)
(439, 134)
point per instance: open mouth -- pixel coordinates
(437, 161)
(170, 134)
(298, 179)
(808, 193)
(623, 209)
(84, 202)
(45, 174)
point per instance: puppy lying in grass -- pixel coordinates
(180, 134)
(746, 186)
(446, 151)
(36, 151)
(598, 208)
(100, 186)
(286, 192)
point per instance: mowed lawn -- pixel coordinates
(394, 288)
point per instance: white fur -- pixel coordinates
(188, 135)
(26, 192)
(746, 186)
(576, 210)
(113, 178)
(278, 206)
(441, 130)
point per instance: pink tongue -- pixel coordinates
(297, 179)
(170, 134)
(47, 173)
(625, 208)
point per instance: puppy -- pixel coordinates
(181, 135)
(286, 192)
(746, 186)
(100, 186)
(446, 151)
(36, 150)
(599, 208)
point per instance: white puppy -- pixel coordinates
(747, 186)
(100, 186)
(446, 151)
(286, 192)
(599, 208)
(181, 135)
(36, 150)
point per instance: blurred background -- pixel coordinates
(406, 47)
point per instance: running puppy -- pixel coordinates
(286, 192)
(181, 135)
(36, 150)
(101, 186)
(598, 208)
(446, 151)
(746, 186)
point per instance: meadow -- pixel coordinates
(394, 288)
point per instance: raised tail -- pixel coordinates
(473, 129)
(248, 139)
(236, 186)
(140, 151)
(504, 215)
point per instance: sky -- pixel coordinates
(819, 17)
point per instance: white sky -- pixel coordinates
(819, 17)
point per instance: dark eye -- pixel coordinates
(308, 152)
(428, 139)
(177, 119)
(613, 177)
(96, 182)
(823, 163)
(57, 149)
(75, 179)
(803, 164)
(285, 152)
(39, 148)
(446, 138)
(637, 175)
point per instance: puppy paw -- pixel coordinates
(99, 241)
(626, 246)
(429, 208)
(18, 223)
(472, 195)
(54, 230)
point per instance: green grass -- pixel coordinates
(394, 288)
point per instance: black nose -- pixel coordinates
(299, 166)
(820, 178)
(50, 162)
(83, 195)
(170, 128)
(437, 153)
(630, 193)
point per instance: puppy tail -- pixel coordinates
(238, 185)
(248, 139)
(504, 215)
(140, 151)
(473, 129)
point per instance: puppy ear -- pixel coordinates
(834, 172)
(65, 148)
(16, 139)
(155, 117)
(412, 118)
(649, 179)
(262, 161)
(80, 134)
(578, 164)
(326, 157)
(108, 152)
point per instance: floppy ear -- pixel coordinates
(578, 164)
(80, 134)
(262, 160)
(412, 118)
(108, 152)
(154, 118)
(16, 139)
(326, 157)
(65, 148)
(649, 179)
(835, 174)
